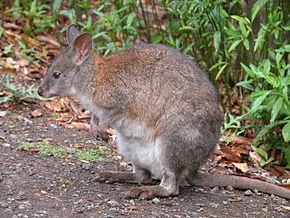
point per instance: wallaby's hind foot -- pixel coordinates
(143, 177)
(149, 192)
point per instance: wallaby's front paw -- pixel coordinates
(106, 177)
(143, 192)
(100, 134)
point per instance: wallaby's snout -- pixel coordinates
(40, 92)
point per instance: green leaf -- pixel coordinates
(266, 129)
(234, 45)
(240, 19)
(246, 84)
(257, 6)
(276, 108)
(248, 70)
(243, 30)
(260, 39)
(55, 8)
(221, 70)
(286, 132)
(258, 101)
(246, 44)
(217, 40)
(262, 153)
(130, 19)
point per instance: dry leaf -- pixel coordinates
(230, 155)
(240, 150)
(285, 207)
(242, 167)
(254, 157)
(54, 106)
(241, 140)
(3, 113)
(83, 126)
(37, 113)
(48, 40)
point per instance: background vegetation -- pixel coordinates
(242, 45)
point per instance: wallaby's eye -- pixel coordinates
(56, 74)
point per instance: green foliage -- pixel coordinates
(47, 149)
(15, 91)
(270, 109)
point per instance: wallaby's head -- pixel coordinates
(60, 76)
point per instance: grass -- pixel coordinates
(46, 149)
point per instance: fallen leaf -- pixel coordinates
(242, 167)
(37, 113)
(23, 62)
(83, 126)
(285, 207)
(48, 40)
(54, 106)
(254, 157)
(240, 150)
(230, 155)
(241, 140)
(3, 113)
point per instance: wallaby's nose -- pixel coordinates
(40, 91)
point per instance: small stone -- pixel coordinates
(53, 126)
(214, 190)
(265, 210)
(230, 188)
(214, 205)
(21, 207)
(248, 193)
(113, 203)
(256, 191)
(4, 204)
(155, 201)
(225, 202)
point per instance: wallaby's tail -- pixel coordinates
(239, 182)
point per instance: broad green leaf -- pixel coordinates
(130, 19)
(243, 30)
(246, 44)
(240, 19)
(234, 45)
(258, 101)
(248, 70)
(286, 132)
(276, 108)
(262, 153)
(273, 80)
(217, 40)
(257, 6)
(260, 39)
(55, 8)
(246, 84)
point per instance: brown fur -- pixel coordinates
(163, 107)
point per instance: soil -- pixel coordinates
(32, 185)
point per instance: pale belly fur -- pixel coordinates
(135, 141)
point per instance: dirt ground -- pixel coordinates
(32, 185)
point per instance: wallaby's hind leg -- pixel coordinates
(169, 186)
(137, 176)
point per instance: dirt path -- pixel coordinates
(32, 185)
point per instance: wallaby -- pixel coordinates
(163, 107)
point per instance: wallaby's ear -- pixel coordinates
(82, 47)
(72, 33)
